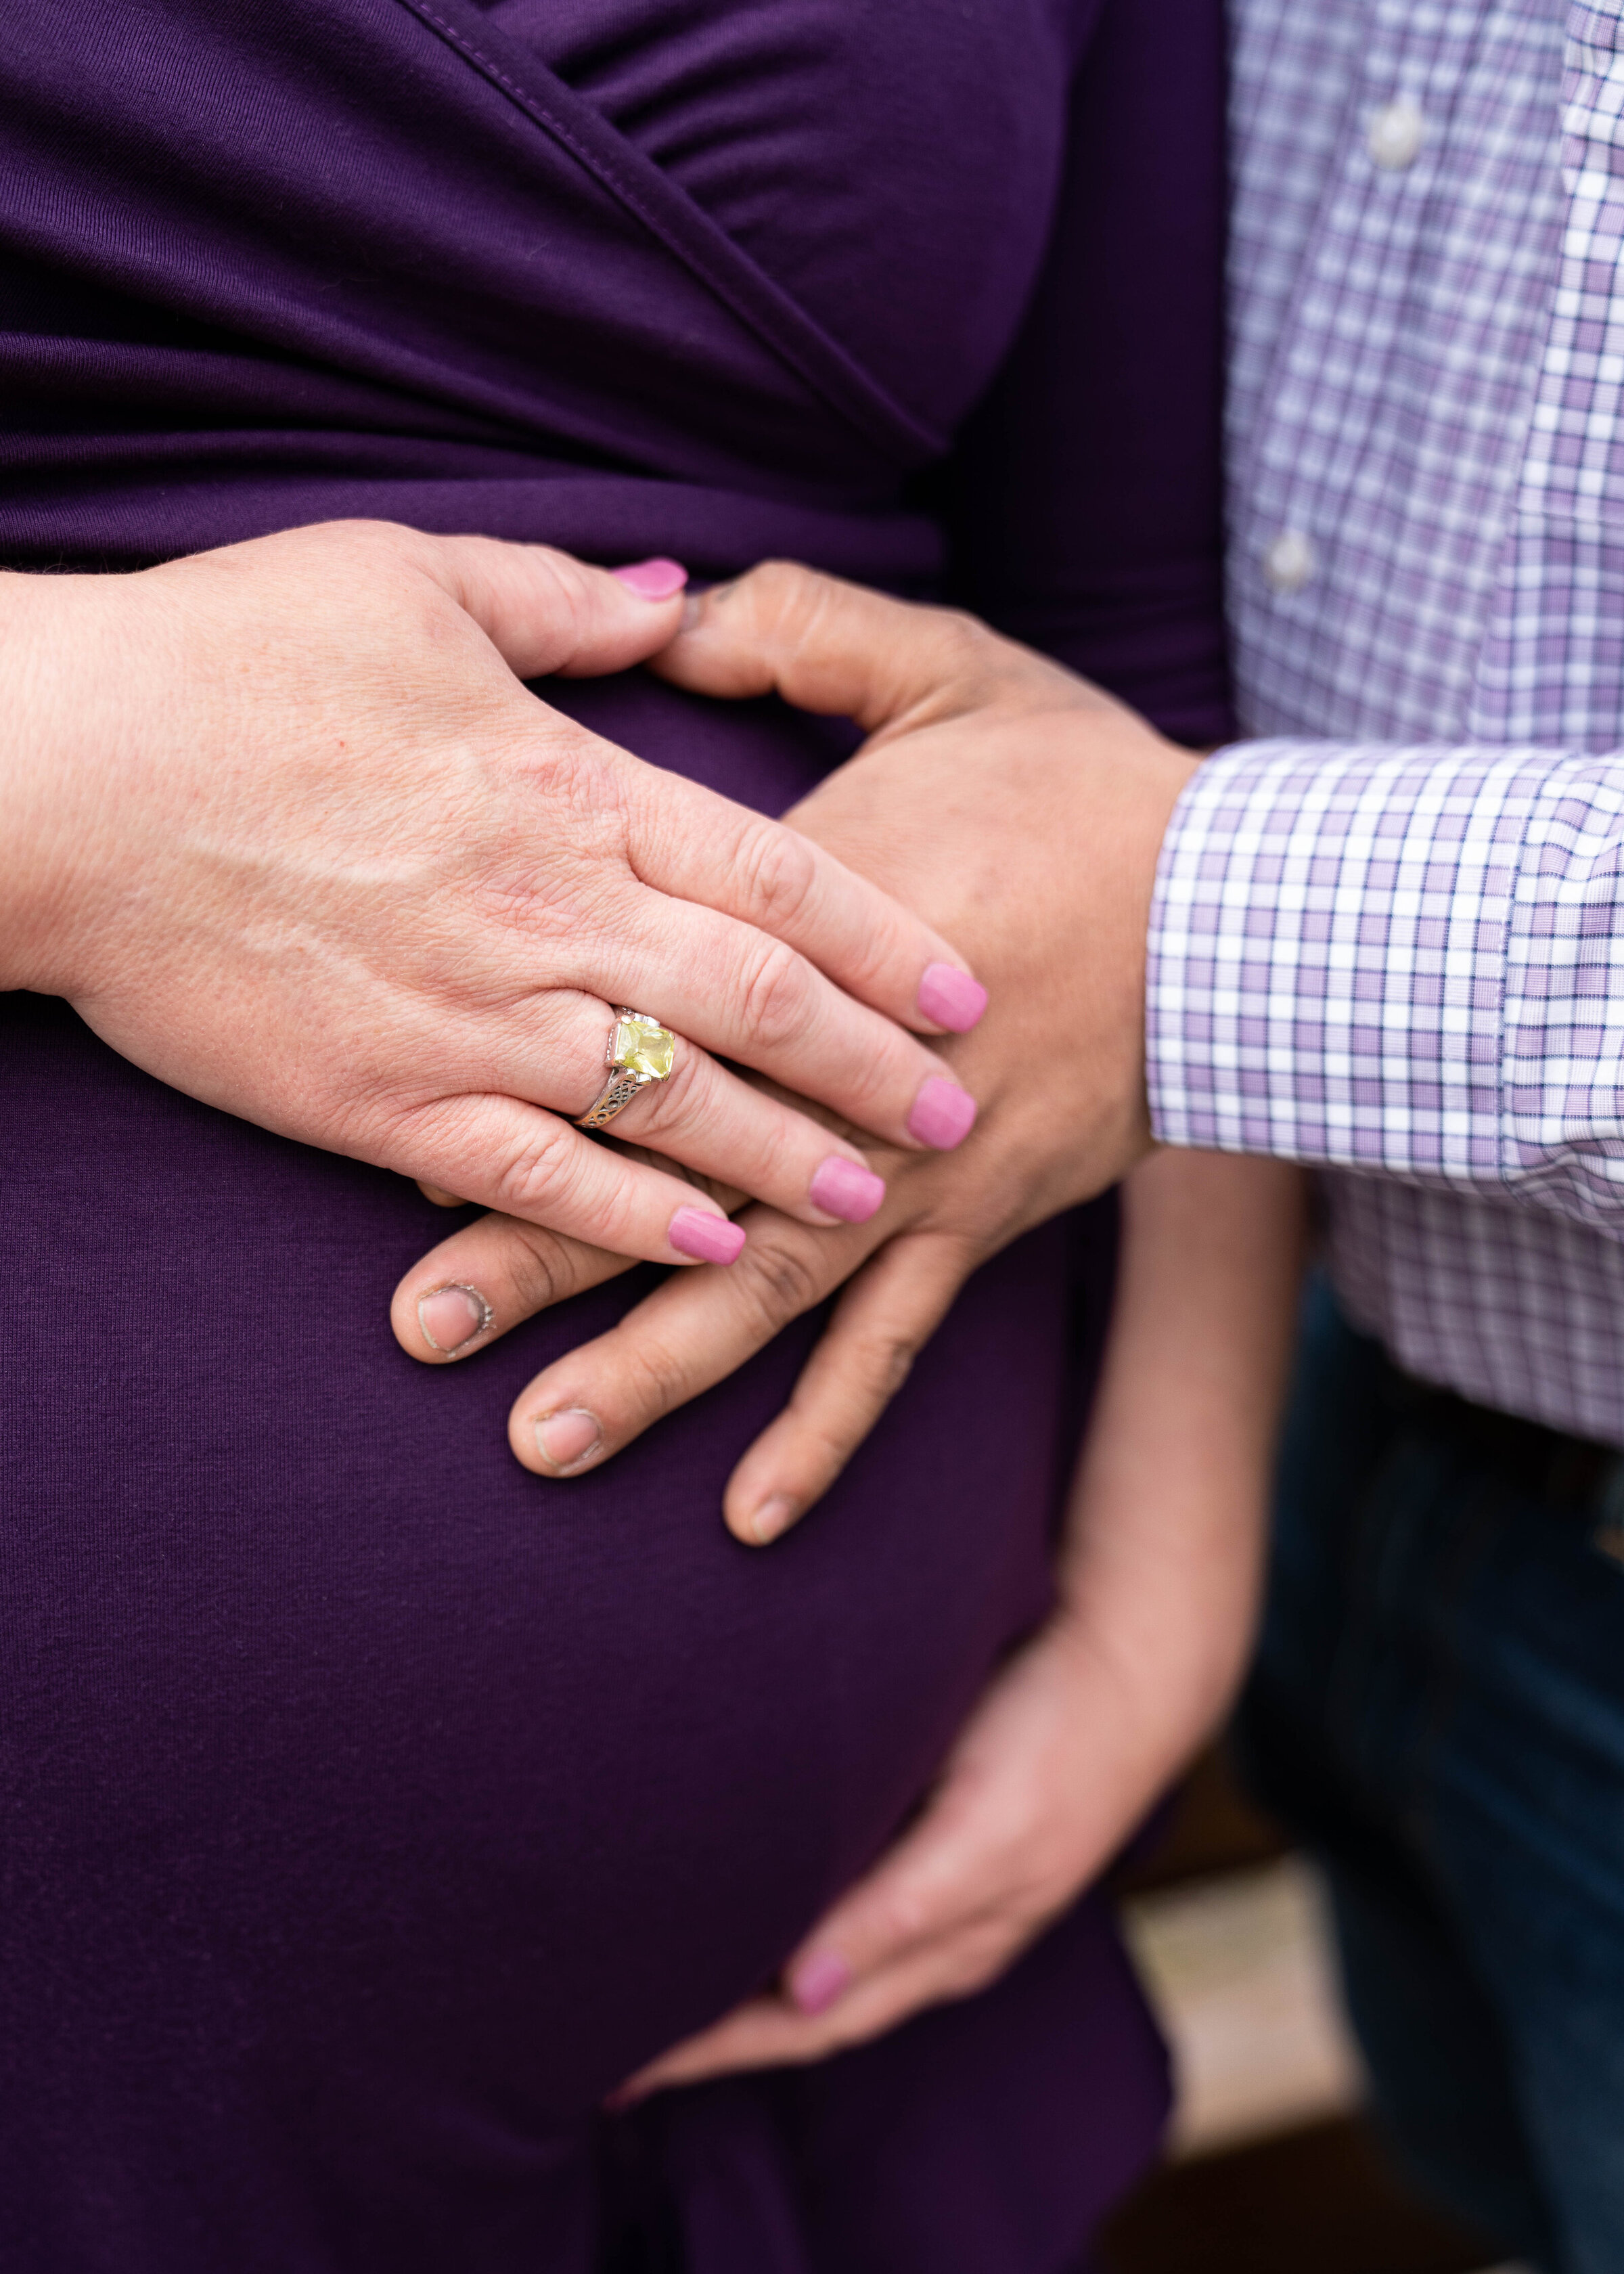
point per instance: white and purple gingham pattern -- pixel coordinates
(1389, 938)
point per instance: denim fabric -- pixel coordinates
(1438, 1711)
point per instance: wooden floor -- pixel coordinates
(1273, 2167)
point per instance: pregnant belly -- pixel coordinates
(348, 1758)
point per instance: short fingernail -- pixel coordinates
(658, 579)
(563, 1439)
(710, 1239)
(951, 997)
(944, 1115)
(774, 1517)
(451, 1317)
(818, 1981)
(846, 1189)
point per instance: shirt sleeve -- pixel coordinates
(1408, 963)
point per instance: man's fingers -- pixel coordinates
(689, 1335)
(695, 847)
(885, 1318)
(546, 612)
(829, 646)
(487, 1278)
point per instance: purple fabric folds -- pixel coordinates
(368, 1808)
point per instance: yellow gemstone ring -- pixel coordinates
(641, 1050)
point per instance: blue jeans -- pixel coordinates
(1438, 1712)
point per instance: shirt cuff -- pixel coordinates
(1328, 955)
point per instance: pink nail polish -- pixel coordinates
(819, 1980)
(951, 998)
(842, 1188)
(452, 1316)
(563, 1438)
(654, 580)
(944, 1115)
(710, 1239)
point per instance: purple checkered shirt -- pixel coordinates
(1388, 939)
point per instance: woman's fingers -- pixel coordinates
(700, 1117)
(525, 1163)
(773, 2033)
(546, 612)
(666, 1351)
(752, 997)
(889, 1311)
(708, 1120)
(487, 1278)
(1012, 1833)
(690, 844)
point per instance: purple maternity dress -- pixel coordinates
(369, 1808)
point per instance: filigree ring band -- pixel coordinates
(641, 1051)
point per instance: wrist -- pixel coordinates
(59, 734)
(1151, 776)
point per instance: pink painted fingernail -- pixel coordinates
(951, 998)
(944, 1115)
(654, 580)
(563, 1439)
(451, 1317)
(818, 1981)
(843, 1188)
(710, 1239)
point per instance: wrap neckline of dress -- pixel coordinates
(668, 213)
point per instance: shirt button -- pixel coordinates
(1397, 132)
(1289, 561)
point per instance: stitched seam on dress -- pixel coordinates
(760, 319)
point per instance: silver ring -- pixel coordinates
(641, 1052)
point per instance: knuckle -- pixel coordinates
(570, 601)
(911, 1913)
(882, 1362)
(539, 1176)
(786, 1277)
(574, 770)
(778, 871)
(780, 589)
(775, 999)
(965, 655)
(536, 1269)
(648, 1379)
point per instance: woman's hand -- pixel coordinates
(284, 826)
(1080, 1734)
(1023, 811)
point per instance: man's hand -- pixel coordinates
(1022, 811)
(283, 824)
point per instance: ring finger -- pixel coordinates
(699, 1116)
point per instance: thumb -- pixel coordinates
(840, 649)
(546, 612)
